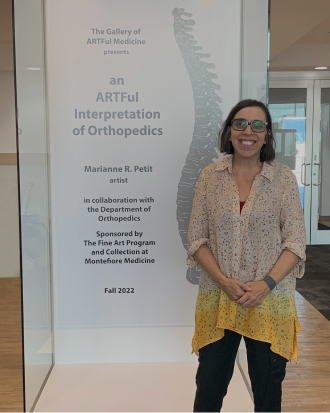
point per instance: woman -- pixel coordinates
(247, 233)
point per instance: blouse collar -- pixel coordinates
(227, 163)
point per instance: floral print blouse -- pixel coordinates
(246, 246)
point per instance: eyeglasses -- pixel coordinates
(242, 124)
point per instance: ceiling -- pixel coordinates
(299, 35)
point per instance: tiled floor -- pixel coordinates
(315, 284)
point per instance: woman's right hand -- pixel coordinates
(234, 289)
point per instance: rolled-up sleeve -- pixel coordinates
(293, 233)
(198, 233)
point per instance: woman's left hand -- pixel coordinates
(255, 297)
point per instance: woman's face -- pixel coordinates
(247, 143)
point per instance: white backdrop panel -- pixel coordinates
(89, 84)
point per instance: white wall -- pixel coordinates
(254, 49)
(7, 113)
(9, 234)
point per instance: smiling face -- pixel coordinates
(247, 144)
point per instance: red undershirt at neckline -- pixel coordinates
(241, 204)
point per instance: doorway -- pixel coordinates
(300, 110)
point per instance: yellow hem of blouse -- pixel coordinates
(295, 352)
(196, 349)
(224, 315)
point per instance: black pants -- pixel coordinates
(216, 367)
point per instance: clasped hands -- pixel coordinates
(248, 295)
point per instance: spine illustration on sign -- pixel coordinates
(202, 151)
